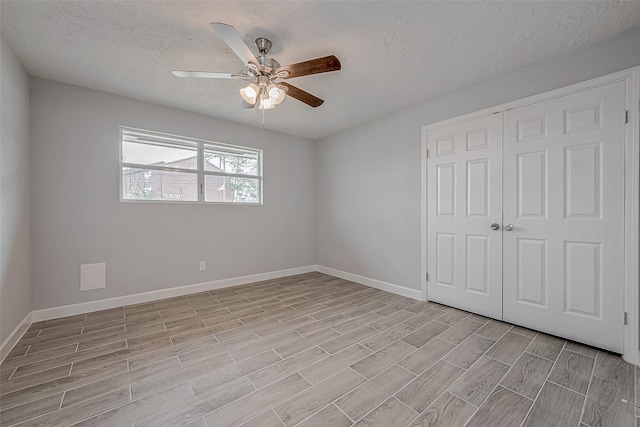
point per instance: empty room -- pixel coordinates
(320, 213)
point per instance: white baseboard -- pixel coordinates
(378, 284)
(104, 304)
(14, 337)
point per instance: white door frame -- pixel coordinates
(631, 77)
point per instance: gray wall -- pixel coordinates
(15, 234)
(368, 177)
(78, 218)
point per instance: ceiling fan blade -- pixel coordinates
(235, 42)
(203, 74)
(302, 96)
(314, 66)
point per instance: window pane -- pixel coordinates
(146, 184)
(222, 161)
(159, 154)
(231, 189)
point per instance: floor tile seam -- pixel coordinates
(541, 356)
(279, 379)
(403, 404)
(440, 359)
(22, 421)
(314, 345)
(339, 409)
(46, 341)
(502, 361)
(256, 391)
(11, 375)
(477, 362)
(462, 398)
(56, 411)
(426, 409)
(263, 340)
(567, 388)
(25, 420)
(446, 340)
(23, 355)
(65, 391)
(61, 326)
(403, 358)
(484, 336)
(34, 374)
(533, 401)
(518, 393)
(334, 402)
(15, 405)
(522, 335)
(542, 386)
(127, 359)
(491, 346)
(100, 413)
(418, 376)
(414, 376)
(248, 379)
(576, 352)
(271, 409)
(457, 366)
(461, 343)
(173, 344)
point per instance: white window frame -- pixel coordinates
(200, 171)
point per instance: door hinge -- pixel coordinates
(427, 277)
(625, 318)
(427, 154)
(201, 192)
(626, 116)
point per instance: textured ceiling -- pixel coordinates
(393, 54)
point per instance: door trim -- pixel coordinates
(631, 77)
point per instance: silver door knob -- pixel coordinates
(508, 227)
(495, 226)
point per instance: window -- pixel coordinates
(161, 167)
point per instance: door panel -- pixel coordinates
(532, 184)
(532, 271)
(465, 255)
(564, 194)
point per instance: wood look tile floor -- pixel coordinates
(307, 350)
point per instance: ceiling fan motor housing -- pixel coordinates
(268, 64)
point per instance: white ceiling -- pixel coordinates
(393, 54)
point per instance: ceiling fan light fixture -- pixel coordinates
(265, 102)
(250, 93)
(276, 95)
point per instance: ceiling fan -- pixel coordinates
(266, 89)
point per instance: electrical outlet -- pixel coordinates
(203, 265)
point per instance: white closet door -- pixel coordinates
(564, 196)
(465, 198)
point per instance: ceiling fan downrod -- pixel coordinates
(264, 45)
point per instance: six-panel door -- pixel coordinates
(465, 187)
(564, 195)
